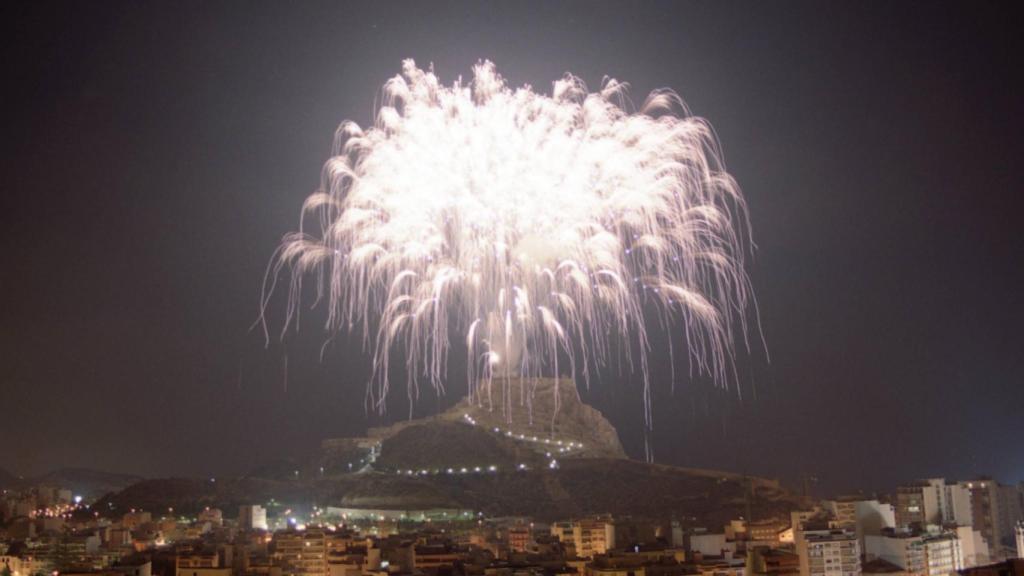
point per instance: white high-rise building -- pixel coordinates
(973, 548)
(252, 517)
(958, 508)
(933, 502)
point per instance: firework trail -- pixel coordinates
(530, 229)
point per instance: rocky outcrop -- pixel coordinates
(545, 454)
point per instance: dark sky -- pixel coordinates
(155, 154)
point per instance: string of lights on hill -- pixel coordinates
(547, 445)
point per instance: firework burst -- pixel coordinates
(542, 233)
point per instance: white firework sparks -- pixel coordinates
(527, 228)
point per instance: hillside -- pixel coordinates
(585, 486)
(475, 456)
(416, 447)
(8, 480)
(190, 495)
(529, 431)
(86, 482)
(578, 487)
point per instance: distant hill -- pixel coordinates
(8, 480)
(282, 469)
(190, 495)
(544, 467)
(578, 487)
(85, 482)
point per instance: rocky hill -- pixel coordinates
(578, 487)
(517, 461)
(548, 411)
(545, 421)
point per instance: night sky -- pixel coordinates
(154, 155)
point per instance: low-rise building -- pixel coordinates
(943, 554)
(301, 552)
(589, 536)
(765, 561)
(879, 567)
(434, 556)
(828, 552)
(900, 548)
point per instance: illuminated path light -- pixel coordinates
(569, 446)
(491, 469)
(539, 228)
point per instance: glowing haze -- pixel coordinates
(545, 234)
